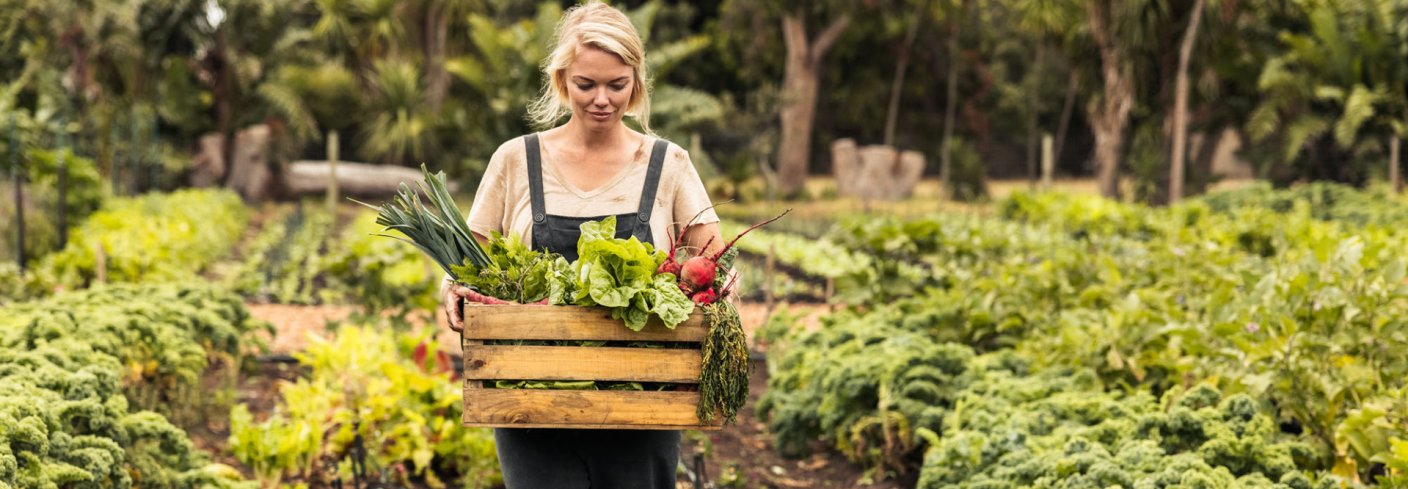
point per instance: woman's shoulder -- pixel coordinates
(675, 155)
(511, 150)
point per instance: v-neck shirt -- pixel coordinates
(552, 169)
(502, 203)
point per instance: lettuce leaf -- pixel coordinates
(619, 274)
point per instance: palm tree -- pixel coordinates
(502, 69)
(1180, 108)
(313, 98)
(675, 110)
(1337, 90)
(400, 129)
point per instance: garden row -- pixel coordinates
(297, 255)
(148, 239)
(88, 381)
(1277, 316)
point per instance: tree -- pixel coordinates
(800, 84)
(1180, 106)
(1054, 27)
(400, 128)
(913, 24)
(501, 70)
(1336, 96)
(675, 111)
(953, 14)
(1109, 116)
(245, 42)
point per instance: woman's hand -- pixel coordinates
(455, 296)
(453, 302)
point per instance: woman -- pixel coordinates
(541, 187)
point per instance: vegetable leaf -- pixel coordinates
(620, 274)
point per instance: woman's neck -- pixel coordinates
(590, 140)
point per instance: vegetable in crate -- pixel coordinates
(515, 272)
(723, 380)
(619, 274)
(703, 276)
(440, 230)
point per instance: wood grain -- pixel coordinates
(519, 322)
(526, 408)
(489, 362)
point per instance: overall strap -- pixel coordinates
(652, 183)
(535, 190)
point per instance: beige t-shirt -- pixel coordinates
(503, 204)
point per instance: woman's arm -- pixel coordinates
(700, 235)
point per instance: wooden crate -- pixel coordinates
(598, 409)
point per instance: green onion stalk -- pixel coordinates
(439, 230)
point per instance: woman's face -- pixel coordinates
(599, 84)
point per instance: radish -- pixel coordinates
(698, 272)
(706, 296)
(670, 265)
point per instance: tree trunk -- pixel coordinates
(222, 91)
(437, 78)
(1066, 112)
(798, 112)
(892, 117)
(1110, 117)
(1395, 170)
(1178, 159)
(1034, 111)
(950, 106)
(19, 204)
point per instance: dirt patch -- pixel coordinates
(293, 324)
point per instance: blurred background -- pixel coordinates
(169, 93)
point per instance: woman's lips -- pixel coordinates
(600, 116)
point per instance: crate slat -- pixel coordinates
(528, 408)
(519, 322)
(489, 362)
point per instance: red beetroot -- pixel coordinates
(670, 265)
(698, 273)
(706, 296)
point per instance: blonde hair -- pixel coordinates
(592, 24)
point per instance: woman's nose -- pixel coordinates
(601, 99)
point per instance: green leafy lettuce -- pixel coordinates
(619, 274)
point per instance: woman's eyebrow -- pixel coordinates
(583, 78)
